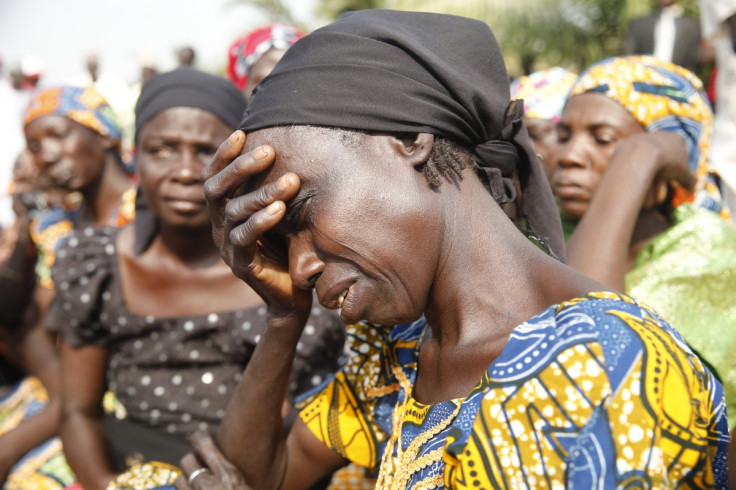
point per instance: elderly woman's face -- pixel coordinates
(173, 148)
(362, 226)
(591, 128)
(70, 155)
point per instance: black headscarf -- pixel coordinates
(410, 72)
(187, 87)
(183, 87)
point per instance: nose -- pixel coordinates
(305, 266)
(570, 154)
(188, 167)
(49, 154)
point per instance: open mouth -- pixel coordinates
(341, 298)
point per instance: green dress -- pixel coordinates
(688, 275)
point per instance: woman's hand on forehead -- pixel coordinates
(241, 221)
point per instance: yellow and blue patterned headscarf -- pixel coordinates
(83, 105)
(661, 95)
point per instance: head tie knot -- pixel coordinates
(499, 158)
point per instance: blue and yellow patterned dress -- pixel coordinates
(597, 392)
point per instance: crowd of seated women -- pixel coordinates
(383, 267)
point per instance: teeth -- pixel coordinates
(341, 299)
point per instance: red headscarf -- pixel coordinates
(248, 49)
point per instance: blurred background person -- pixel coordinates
(718, 20)
(74, 140)
(544, 93)
(118, 94)
(252, 56)
(667, 33)
(633, 169)
(186, 56)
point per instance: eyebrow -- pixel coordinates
(593, 127)
(296, 204)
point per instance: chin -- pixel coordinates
(573, 210)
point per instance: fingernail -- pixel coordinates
(284, 182)
(274, 208)
(262, 152)
(234, 138)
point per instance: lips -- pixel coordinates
(334, 298)
(185, 204)
(570, 191)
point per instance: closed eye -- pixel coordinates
(295, 215)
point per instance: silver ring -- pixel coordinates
(196, 473)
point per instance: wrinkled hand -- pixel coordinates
(241, 222)
(220, 474)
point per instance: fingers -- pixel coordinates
(229, 179)
(242, 207)
(192, 470)
(226, 153)
(181, 482)
(248, 233)
(208, 451)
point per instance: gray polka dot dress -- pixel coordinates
(172, 373)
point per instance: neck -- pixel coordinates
(504, 279)
(191, 246)
(101, 198)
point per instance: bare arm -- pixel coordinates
(17, 276)
(41, 360)
(83, 386)
(632, 182)
(252, 432)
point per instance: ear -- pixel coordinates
(106, 142)
(415, 148)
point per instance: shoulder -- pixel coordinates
(82, 274)
(85, 253)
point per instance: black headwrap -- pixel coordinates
(187, 87)
(391, 71)
(183, 87)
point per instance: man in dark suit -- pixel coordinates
(667, 34)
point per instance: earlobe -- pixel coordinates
(415, 147)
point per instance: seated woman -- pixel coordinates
(74, 140)
(544, 94)
(634, 140)
(151, 312)
(385, 168)
(252, 56)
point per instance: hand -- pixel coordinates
(664, 151)
(217, 473)
(654, 162)
(241, 222)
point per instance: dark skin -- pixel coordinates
(70, 158)
(351, 216)
(603, 150)
(179, 274)
(261, 69)
(543, 134)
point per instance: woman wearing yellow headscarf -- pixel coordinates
(633, 170)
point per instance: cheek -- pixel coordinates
(150, 180)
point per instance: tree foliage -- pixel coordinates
(534, 33)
